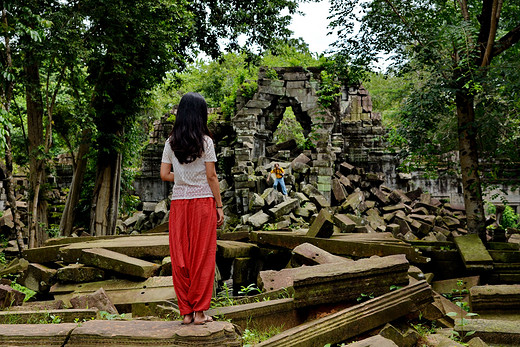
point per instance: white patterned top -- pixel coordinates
(190, 179)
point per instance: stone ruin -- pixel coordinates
(356, 251)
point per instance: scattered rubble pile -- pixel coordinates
(360, 203)
(370, 262)
(315, 297)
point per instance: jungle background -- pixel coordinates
(86, 80)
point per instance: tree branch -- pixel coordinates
(507, 41)
(412, 32)
(495, 16)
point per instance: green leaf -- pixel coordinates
(451, 314)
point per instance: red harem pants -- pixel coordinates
(193, 246)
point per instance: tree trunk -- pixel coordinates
(7, 94)
(69, 212)
(105, 201)
(38, 206)
(468, 152)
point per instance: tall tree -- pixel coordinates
(133, 45)
(455, 41)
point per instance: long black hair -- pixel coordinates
(187, 136)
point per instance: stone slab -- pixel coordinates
(504, 297)
(235, 249)
(35, 317)
(473, 252)
(322, 226)
(35, 334)
(260, 315)
(342, 221)
(338, 282)
(353, 245)
(154, 333)
(46, 254)
(494, 332)
(308, 254)
(374, 341)
(154, 246)
(117, 262)
(120, 291)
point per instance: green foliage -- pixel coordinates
(250, 289)
(329, 89)
(251, 337)
(111, 316)
(364, 297)
(510, 219)
(28, 292)
(3, 261)
(289, 128)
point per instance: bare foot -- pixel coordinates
(188, 319)
(201, 318)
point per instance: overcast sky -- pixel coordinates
(312, 26)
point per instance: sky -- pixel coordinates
(312, 26)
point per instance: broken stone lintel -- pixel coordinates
(338, 282)
(342, 325)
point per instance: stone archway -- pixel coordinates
(258, 118)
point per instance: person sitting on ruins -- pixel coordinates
(279, 175)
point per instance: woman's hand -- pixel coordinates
(220, 217)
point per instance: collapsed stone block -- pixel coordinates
(38, 277)
(98, 299)
(10, 297)
(308, 254)
(117, 262)
(323, 226)
(344, 223)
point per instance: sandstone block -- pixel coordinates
(258, 219)
(323, 226)
(10, 297)
(118, 262)
(345, 224)
(98, 299)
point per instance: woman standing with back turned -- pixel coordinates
(196, 207)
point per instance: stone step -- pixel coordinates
(120, 333)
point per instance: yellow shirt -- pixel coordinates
(278, 172)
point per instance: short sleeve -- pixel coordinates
(209, 150)
(166, 156)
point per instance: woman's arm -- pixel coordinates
(166, 172)
(211, 175)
